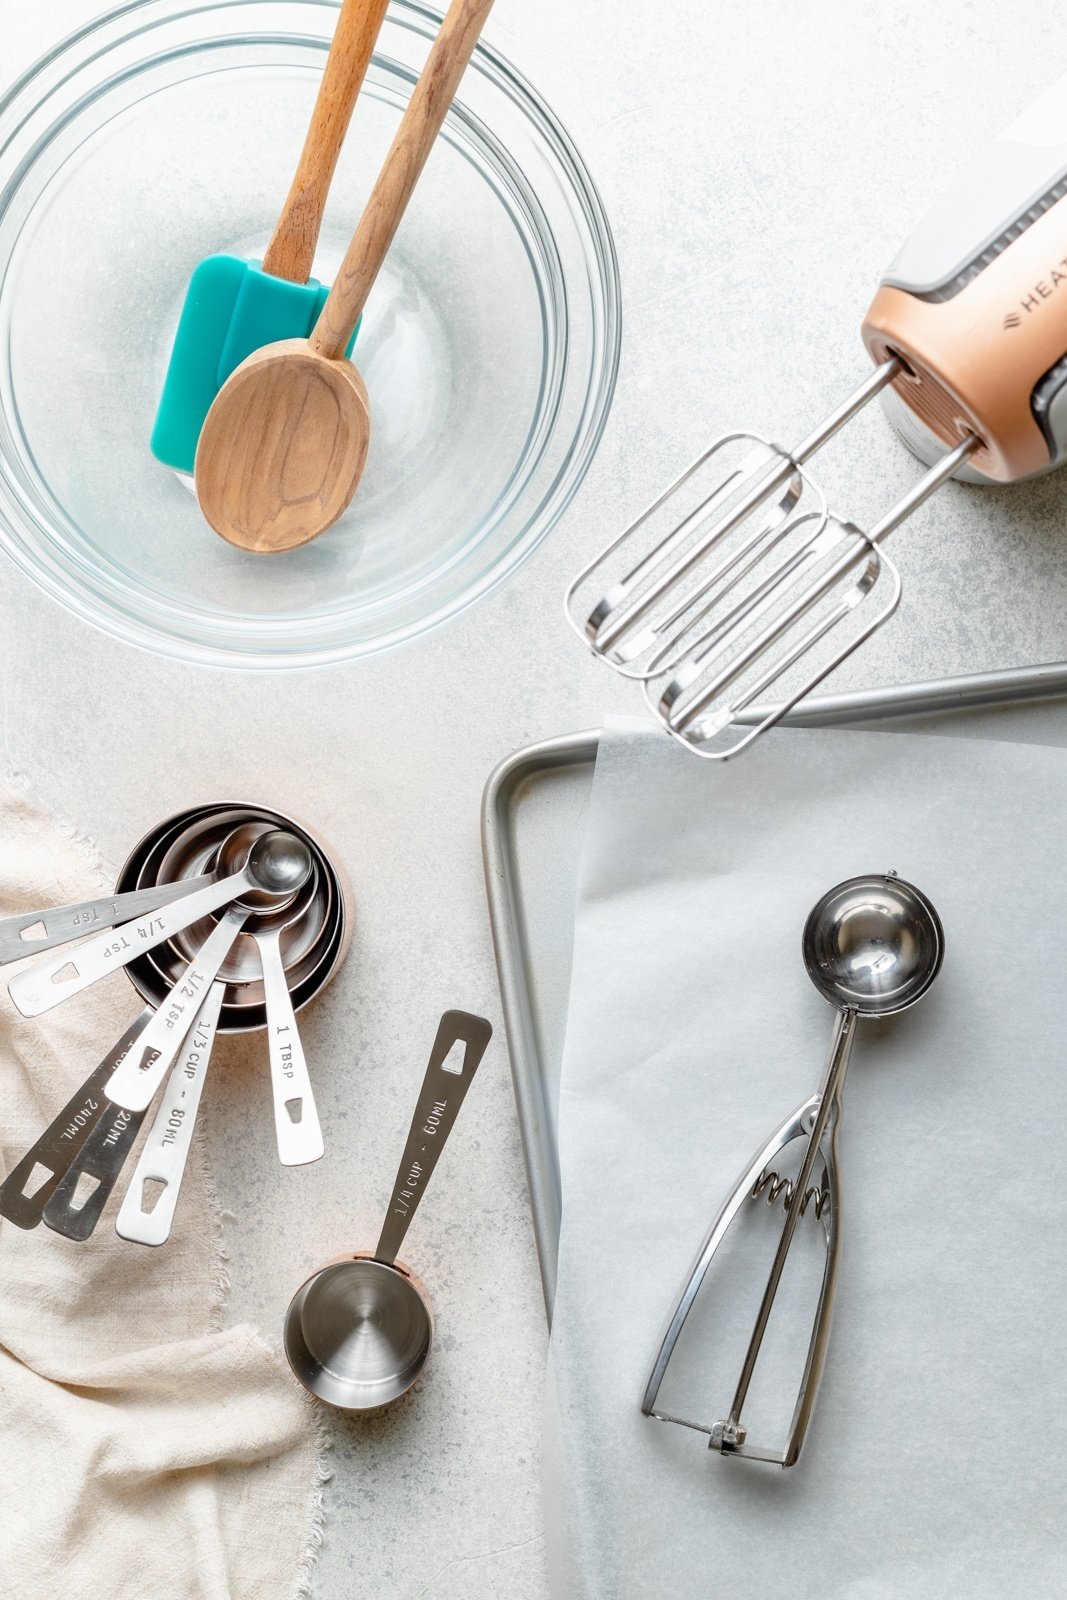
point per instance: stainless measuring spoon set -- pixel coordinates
(872, 946)
(225, 919)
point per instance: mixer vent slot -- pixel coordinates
(934, 405)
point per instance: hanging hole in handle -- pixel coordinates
(456, 1059)
(36, 1181)
(32, 934)
(151, 1194)
(295, 1109)
(66, 974)
(84, 1190)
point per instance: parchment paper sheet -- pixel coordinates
(937, 1461)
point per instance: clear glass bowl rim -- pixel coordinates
(58, 578)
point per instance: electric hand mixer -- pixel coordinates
(721, 588)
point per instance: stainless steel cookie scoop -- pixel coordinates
(359, 1331)
(872, 946)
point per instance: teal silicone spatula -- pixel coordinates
(232, 307)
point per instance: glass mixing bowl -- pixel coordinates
(170, 129)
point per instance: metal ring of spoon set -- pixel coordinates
(225, 919)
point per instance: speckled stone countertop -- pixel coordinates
(760, 164)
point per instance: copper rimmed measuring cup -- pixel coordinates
(358, 1332)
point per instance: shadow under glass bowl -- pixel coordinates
(168, 130)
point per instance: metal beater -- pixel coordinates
(872, 947)
(739, 581)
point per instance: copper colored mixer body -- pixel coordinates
(735, 593)
(987, 358)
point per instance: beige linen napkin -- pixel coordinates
(144, 1451)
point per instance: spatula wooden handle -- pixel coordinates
(292, 245)
(395, 184)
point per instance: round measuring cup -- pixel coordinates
(359, 1331)
(243, 1010)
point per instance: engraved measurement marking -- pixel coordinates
(285, 1052)
(190, 988)
(433, 1120)
(148, 932)
(174, 1122)
(405, 1196)
(194, 1058)
(80, 1118)
(118, 1127)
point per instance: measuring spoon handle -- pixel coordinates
(75, 1207)
(36, 931)
(135, 1082)
(46, 983)
(443, 1090)
(170, 1138)
(62, 1142)
(296, 1118)
(395, 183)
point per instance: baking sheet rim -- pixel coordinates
(976, 691)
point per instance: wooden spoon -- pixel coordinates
(285, 442)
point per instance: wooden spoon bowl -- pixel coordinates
(283, 447)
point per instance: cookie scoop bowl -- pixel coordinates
(504, 252)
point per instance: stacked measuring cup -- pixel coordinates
(226, 919)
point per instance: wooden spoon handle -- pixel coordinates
(394, 185)
(292, 245)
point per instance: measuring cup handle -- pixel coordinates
(443, 1090)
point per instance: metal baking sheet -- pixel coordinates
(533, 812)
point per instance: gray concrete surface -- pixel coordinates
(759, 164)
